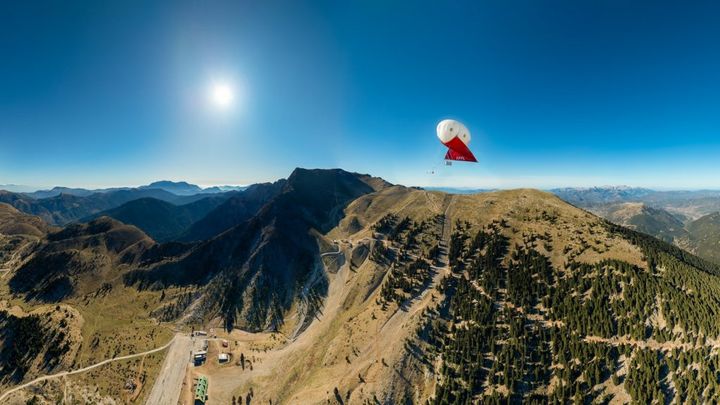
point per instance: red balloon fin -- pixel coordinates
(457, 150)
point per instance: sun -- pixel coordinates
(222, 95)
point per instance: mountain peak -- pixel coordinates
(170, 183)
(175, 187)
(300, 175)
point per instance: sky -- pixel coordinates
(555, 93)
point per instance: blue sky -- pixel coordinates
(555, 93)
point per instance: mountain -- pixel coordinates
(542, 302)
(17, 188)
(234, 211)
(161, 220)
(78, 258)
(223, 189)
(63, 306)
(179, 187)
(187, 189)
(56, 191)
(343, 288)
(66, 208)
(684, 218)
(14, 222)
(699, 236)
(584, 197)
(704, 236)
(687, 203)
(652, 221)
(273, 257)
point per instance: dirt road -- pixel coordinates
(168, 385)
(82, 370)
(332, 253)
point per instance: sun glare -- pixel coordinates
(222, 95)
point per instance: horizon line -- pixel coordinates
(24, 188)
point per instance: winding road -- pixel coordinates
(331, 253)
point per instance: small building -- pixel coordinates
(223, 358)
(201, 390)
(199, 357)
(200, 333)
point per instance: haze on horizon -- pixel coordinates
(556, 94)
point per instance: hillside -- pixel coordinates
(699, 236)
(77, 259)
(14, 222)
(252, 274)
(63, 305)
(640, 217)
(693, 203)
(19, 235)
(686, 205)
(704, 236)
(232, 212)
(163, 221)
(345, 289)
(589, 196)
(541, 301)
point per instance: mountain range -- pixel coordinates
(338, 287)
(161, 220)
(690, 203)
(178, 188)
(688, 219)
(62, 205)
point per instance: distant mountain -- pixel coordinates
(56, 191)
(688, 203)
(640, 217)
(223, 189)
(161, 220)
(584, 197)
(178, 188)
(234, 211)
(175, 187)
(704, 236)
(17, 188)
(187, 189)
(699, 236)
(687, 218)
(66, 208)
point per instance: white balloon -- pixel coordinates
(449, 129)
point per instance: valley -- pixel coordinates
(687, 219)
